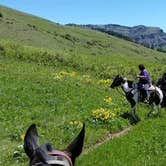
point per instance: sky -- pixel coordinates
(122, 12)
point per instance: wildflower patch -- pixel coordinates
(103, 115)
(105, 81)
(63, 74)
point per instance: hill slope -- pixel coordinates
(74, 46)
(34, 31)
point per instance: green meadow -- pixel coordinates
(58, 77)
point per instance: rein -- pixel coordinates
(60, 153)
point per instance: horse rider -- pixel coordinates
(144, 82)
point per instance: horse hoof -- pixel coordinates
(135, 122)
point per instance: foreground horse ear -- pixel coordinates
(75, 148)
(31, 140)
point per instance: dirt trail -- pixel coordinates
(110, 136)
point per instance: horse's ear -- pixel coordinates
(75, 148)
(31, 140)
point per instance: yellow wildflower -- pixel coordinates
(105, 81)
(76, 123)
(108, 100)
(71, 122)
(63, 74)
(22, 136)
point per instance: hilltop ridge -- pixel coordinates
(153, 37)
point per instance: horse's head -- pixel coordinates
(118, 80)
(46, 155)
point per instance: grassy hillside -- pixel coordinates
(83, 46)
(58, 77)
(34, 31)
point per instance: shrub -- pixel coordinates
(32, 26)
(1, 15)
(69, 37)
(1, 48)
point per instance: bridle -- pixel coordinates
(61, 153)
(56, 160)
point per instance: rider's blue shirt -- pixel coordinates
(145, 73)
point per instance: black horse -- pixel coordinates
(155, 97)
(46, 155)
(162, 82)
(132, 94)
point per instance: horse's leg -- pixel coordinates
(133, 99)
(151, 109)
(134, 116)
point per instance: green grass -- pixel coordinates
(145, 144)
(31, 94)
(51, 75)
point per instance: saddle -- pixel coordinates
(143, 93)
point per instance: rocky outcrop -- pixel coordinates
(148, 36)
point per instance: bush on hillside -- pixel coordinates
(161, 49)
(69, 37)
(1, 48)
(1, 15)
(32, 26)
(31, 54)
